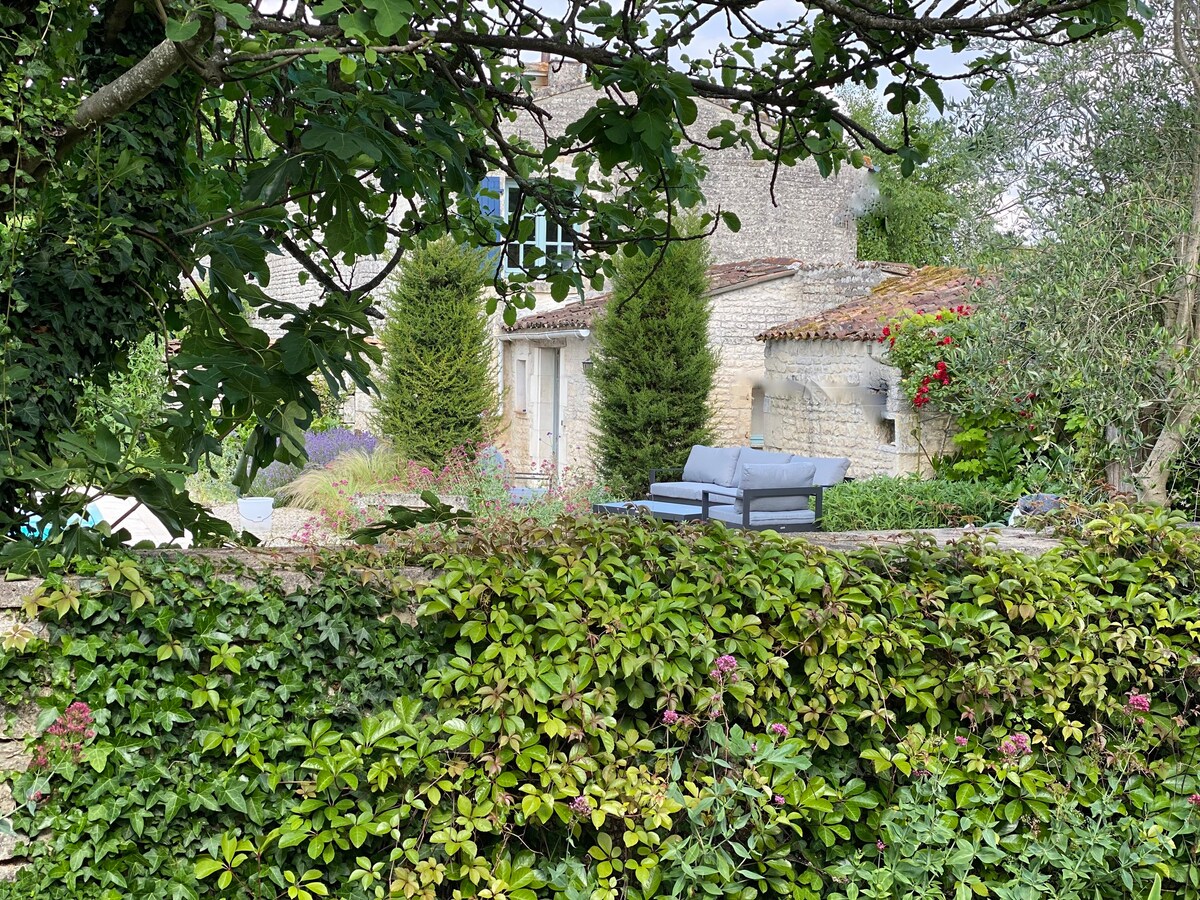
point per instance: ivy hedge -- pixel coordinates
(609, 709)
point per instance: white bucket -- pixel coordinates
(256, 515)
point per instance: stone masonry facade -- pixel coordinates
(526, 431)
(15, 726)
(810, 218)
(740, 310)
(738, 316)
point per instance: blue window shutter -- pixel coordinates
(491, 207)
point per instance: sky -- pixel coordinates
(709, 38)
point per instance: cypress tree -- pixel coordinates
(437, 383)
(653, 368)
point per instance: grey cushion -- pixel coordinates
(750, 456)
(730, 516)
(715, 465)
(520, 495)
(691, 490)
(830, 470)
(787, 475)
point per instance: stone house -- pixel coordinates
(547, 401)
(809, 217)
(794, 255)
(830, 392)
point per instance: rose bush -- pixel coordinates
(1029, 440)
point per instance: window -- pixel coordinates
(889, 431)
(519, 378)
(552, 239)
(758, 416)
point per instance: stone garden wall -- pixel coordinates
(15, 725)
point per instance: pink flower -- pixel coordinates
(1138, 702)
(581, 806)
(1016, 745)
(1194, 799)
(726, 663)
(778, 800)
(960, 740)
(670, 717)
(780, 729)
(880, 846)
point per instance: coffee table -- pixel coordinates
(668, 512)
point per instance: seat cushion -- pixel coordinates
(831, 470)
(787, 475)
(691, 490)
(520, 495)
(730, 516)
(714, 465)
(750, 456)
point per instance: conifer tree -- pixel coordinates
(653, 367)
(437, 384)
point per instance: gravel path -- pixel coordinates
(290, 526)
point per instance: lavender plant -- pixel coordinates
(322, 447)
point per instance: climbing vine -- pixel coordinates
(608, 709)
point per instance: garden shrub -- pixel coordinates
(358, 488)
(909, 501)
(132, 401)
(1185, 475)
(1006, 434)
(653, 367)
(614, 708)
(436, 386)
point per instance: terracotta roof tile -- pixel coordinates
(723, 277)
(863, 318)
(566, 317)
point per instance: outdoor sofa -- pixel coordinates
(753, 489)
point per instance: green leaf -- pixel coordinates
(341, 143)
(238, 13)
(823, 42)
(182, 31)
(933, 91)
(206, 866)
(391, 16)
(97, 756)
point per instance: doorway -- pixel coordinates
(549, 407)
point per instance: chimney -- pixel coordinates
(540, 71)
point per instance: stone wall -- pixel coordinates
(810, 218)
(838, 398)
(14, 726)
(740, 315)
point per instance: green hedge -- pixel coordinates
(911, 502)
(608, 709)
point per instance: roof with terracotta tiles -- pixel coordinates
(863, 318)
(721, 278)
